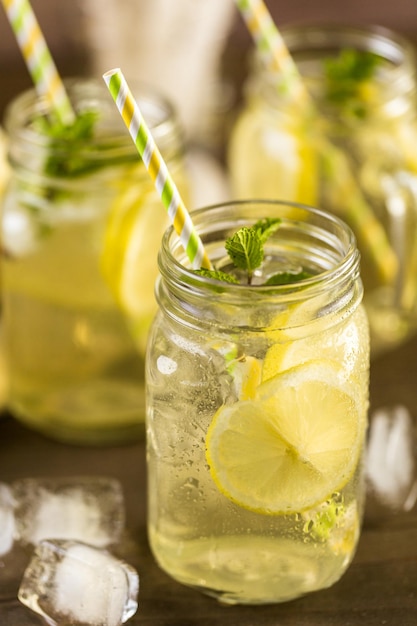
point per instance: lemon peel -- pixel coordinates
(247, 375)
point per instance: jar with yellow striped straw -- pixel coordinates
(81, 228)
(257, 395)
(354, 154)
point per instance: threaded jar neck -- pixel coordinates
(394, 78)
(306, 237)
(109, 142)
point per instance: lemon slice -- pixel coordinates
(129, 256)
(286, 450)
(288, 168)
(339, 343)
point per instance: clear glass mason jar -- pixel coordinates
(354, 155)
(81, 229)
(257, 403)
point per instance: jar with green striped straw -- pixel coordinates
(343, 141)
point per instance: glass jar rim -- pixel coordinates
(89, 94)
(337, 236)
(303, 39)
(381, 40)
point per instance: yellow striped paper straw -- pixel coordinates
(38, 58)
(277, 57)
(271, 45)
(157, 168)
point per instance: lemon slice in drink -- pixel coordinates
(339, 343)
(129, 256)
(286, 450)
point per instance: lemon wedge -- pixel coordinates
(339, 344)
(247, 375)
(287, 449)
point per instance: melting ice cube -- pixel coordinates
(390, 458)
(88, 509)
(71, 582)
(7, 519)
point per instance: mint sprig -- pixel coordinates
(344, 77)
(74, 137)
(246, 250)
(72, 151)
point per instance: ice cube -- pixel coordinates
(83, 508)
(72, 582)
(7, 519)
(390, 460)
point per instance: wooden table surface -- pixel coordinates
(380, 587)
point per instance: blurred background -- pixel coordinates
(90, 36)
(195, 52)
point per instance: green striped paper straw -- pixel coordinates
(38, 58)
(156, 168)
(276, 56)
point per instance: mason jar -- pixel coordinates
(351, 151)
(257, 400)
(81, 228)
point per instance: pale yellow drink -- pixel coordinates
(353, 154)
(257, 401)
(76, 360)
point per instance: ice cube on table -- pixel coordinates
(83, 508)
(391, 465)
(74, 583)
(7, 519)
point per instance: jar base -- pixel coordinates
(104, 413)
(252, 570)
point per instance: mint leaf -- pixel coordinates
(344, 76)
(72, 151)
(266, 227)
(245, 248)
(350, 66)
(287, 278)
(321, 521)
(217, 275)
(74, 138)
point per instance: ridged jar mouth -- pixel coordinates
(306, 234)
(110, 138)
(311, 44)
